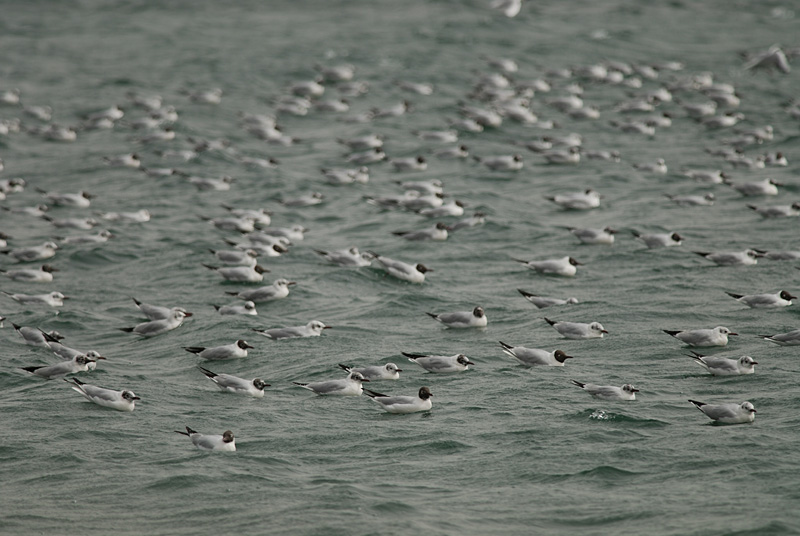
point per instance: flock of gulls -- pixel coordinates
(651, 96)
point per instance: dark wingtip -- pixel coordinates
(551, 322)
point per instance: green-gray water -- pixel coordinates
(506, 449)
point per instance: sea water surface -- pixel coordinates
(506, 449)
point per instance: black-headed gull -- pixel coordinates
(535, 356)
(578, 330)
(279, 289)
(37, 337)
(78, 364)
(402, 404)
(659, 240)
(33, 253)
(43, 274)
(609, 392)
(389, 371)
(723, 366)
(413, 273)
(224, 442)
(119, 400)
(584, 200)
(436, 232)
(756, 301)
(790, 338)
(156, 312)
(157, 327)
(347, 257)
(440, 363)
(543, 301)
(462, 319)
(727, 413)
(234, 350)
(53, 299)
(235, 384)
(565, 266)
(748, 257)
(590, 235)
(240, 274)
(312, 329)
(349, 386)
(247, 308)
(717, 336)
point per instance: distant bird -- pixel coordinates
(756, 301)
(403, 404)
(565, 266)
(722, 366)
(462, 319)
(389, 371)
(509, 8)
(205, 96)
(119, 400)
(534, 356)
(772, 58)
(440, 363)
(727, 413)
(312, 329)
(234, 384)
(578, 330)
(717, 336)
(224, 442)
(542, 302)
(609, 392)
(235, 350)
(350, 386)
(157, 327)
(223, 184)
(126, 160)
